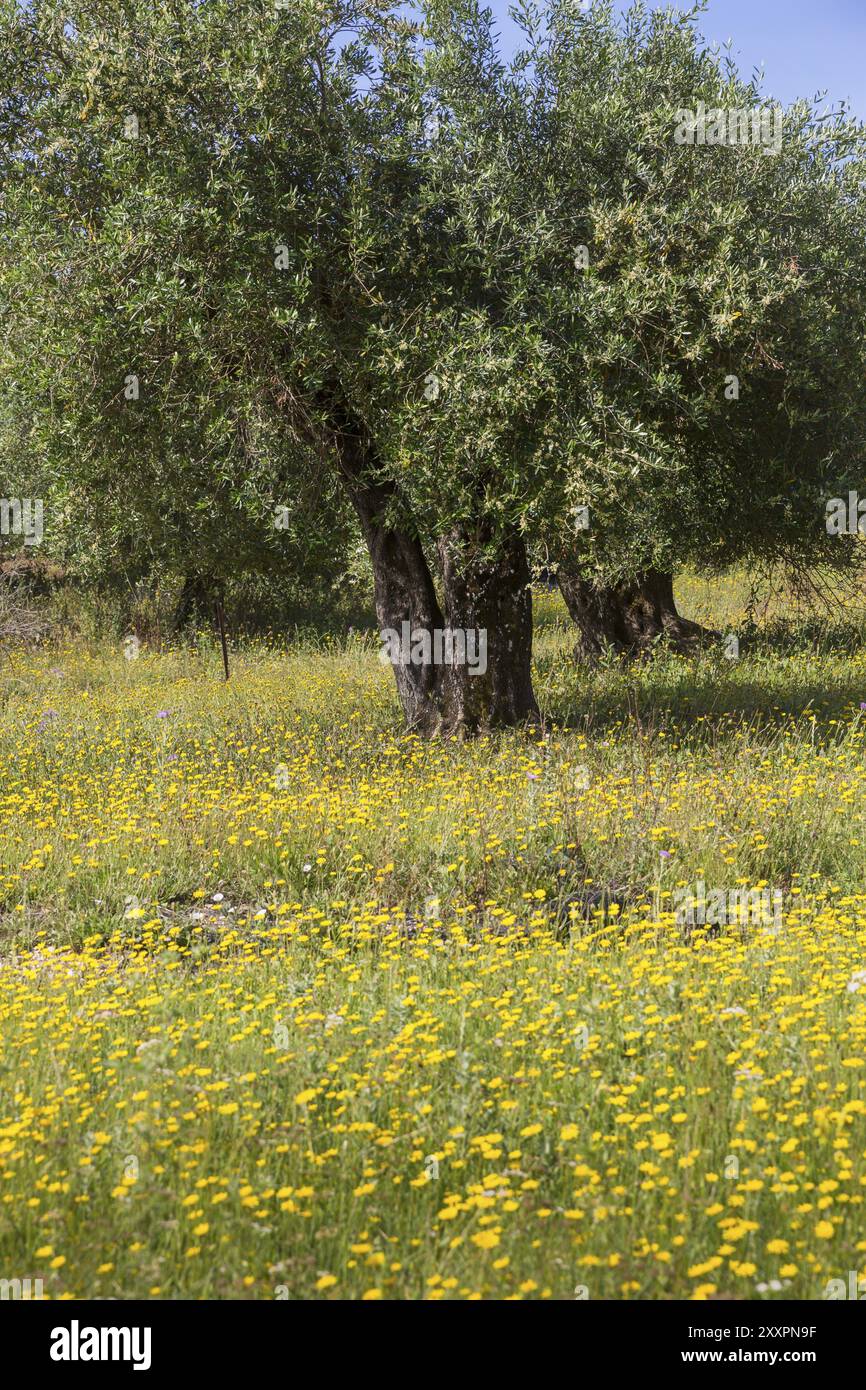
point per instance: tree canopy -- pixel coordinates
(321, 258)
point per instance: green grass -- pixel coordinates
(294, 1005)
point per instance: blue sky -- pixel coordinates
(804, 46)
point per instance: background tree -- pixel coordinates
(716, 332)
(136, 276)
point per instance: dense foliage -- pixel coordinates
(271, 273)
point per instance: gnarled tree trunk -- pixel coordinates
(491, 597)
(403, 586)
(628, 618)
(467, 669)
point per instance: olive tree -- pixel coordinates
(698, 274)
(227, 223)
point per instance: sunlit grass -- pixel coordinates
(294, 1005)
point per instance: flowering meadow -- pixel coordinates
(293, 1005)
